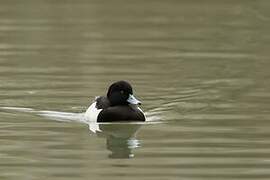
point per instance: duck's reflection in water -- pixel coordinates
(120, 138)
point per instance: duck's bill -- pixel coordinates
(132, 100)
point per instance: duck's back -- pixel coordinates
(102, 102)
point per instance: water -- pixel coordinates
(200, 68)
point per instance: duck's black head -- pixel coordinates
(121, 93)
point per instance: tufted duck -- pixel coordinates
(118, 105)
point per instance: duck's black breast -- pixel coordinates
(120, 113)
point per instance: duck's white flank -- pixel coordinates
(92, 112)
